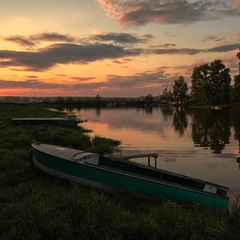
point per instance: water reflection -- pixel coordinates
(98, 112)
(180, 122)
(149, 110)
(166, 112)
(236, 126)
(211, 128)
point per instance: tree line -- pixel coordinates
(211, 85)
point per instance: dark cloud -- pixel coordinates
(30, 84)
(214, 37)
(187, 51)
(53, 37)
(117, 62)
(224, 48)
(116, 38)
(148, 36)
(83, 79)
(32, 76)
(141, 12)
(120, 38)
(166, 45)
(20, 40)
(63, 54)
(35, 40)
(192, 51)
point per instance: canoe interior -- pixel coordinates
(160, 175)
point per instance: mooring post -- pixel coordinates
(155, 161)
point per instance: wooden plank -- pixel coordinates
(148, 155)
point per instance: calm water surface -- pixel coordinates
(199, 143)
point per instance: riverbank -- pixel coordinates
(34, 205)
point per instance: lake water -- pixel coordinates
(199, 143)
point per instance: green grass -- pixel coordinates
(34, 205)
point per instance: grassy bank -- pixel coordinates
(34, 205)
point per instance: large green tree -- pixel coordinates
(211, 83)
(180, 89)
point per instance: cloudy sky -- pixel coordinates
(112, 47)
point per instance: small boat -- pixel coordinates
(106, 173)
(58, 121)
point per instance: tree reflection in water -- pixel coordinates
(235, 122)
(180, 122)
(211, 128)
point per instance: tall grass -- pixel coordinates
(34, 205)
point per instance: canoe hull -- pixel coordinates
(108, 179)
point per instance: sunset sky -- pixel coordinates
(116, 48)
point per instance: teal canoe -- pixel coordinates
(106, 173)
